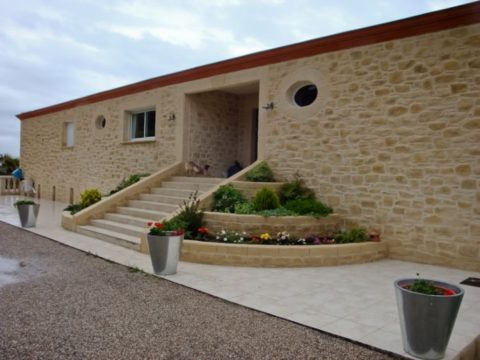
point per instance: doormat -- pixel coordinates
(472, 281)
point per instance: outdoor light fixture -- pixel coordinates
(268, 106)
(171, 117)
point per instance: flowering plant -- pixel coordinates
(283, 237)
(231, 236)
(166, 228)
(265, 237)
(202, 233)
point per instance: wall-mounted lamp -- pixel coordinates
(171, 117)
(268, 106)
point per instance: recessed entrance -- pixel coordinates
(222, 127)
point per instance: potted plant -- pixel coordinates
(28, 212)
(427, 310)
(164, 245)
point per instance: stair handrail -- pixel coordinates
(97, 210)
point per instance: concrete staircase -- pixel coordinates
(125, 226)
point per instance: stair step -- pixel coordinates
(131, 242)
(150, 205)
(128, 219)
(174, 200)
(173, 192)
(126, 229)
(142, 213)
(186, 186)
(197, 179)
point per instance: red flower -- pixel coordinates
(149, 223)
(202, 230)
(159, 225)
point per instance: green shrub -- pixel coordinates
(132, 179)
(226, 197)
(295, 190)
(24, 202)
(280, 211)
(261, 173)
(244, 208)
(90, 197)
(350, 236)
(73, 208)
(265, 199)
(174, 224)
(308, 207)
(190, 215)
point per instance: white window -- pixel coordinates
(142, 124)
(69, 134)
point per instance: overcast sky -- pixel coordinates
(57, 50)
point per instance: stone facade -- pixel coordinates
(390, 143)
(394, 141)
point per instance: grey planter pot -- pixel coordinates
(28, 214)
(164, 253)
(427, 321)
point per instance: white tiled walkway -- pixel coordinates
(353, 301)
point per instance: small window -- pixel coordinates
(305, 95)
(101, 122)
(69, 134)
(142, 125)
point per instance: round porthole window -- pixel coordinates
(101, 122)
(305, 95)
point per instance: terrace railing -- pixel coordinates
(9, 185)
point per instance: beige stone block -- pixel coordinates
(323, 250)
(232, 249)
(397, 110)
(463, 170)
(475, 230)
(262, 250)
(458, 88)
(432, 220)
(472, 124)
(293, 251)
(420, 69)
(473, 40)
(437, 126)
(442, 79)
(469, 184)
(469, 250)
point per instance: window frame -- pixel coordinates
(145, 123)
(66, 126)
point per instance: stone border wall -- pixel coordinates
(282, 255)
(254, 224)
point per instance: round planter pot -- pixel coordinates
(427, 321)
(28, 214)
(164, 253)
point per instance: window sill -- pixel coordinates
(139, 141)
(65, 147)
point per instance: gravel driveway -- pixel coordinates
(60, 303)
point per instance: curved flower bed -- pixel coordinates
(280, 255)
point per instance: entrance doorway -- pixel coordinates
(222, 127)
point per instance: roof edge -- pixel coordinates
(413, 26)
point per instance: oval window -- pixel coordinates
(101, 122)
(305, 95)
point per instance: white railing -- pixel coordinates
(9, 185)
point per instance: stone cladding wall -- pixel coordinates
(392, 142)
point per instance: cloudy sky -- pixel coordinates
(57, 50)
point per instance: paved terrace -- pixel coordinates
(356, 302)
